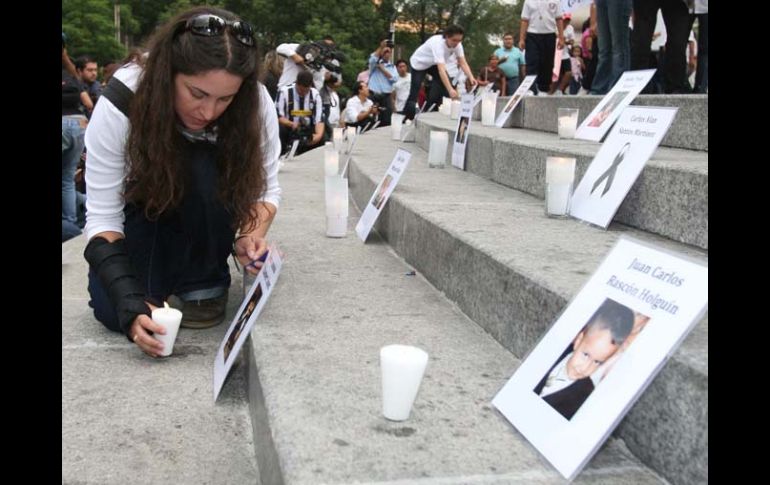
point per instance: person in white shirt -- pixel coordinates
(541, 33)
(432, 57)
(360, 110)
(401, 88)
(294, 64)
(172, 179)
(300, 114)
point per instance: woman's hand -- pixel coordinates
(140, 334)
(248, 250)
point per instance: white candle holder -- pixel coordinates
(437, 149)
(488, 106)
(402, 367)
(396, 122)
(331, 159)
(336, 206)
(170, 318)
(559, 178)
(455, 109)
(446, 106)
(568, 121)
(337, 136)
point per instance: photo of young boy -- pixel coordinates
(568, 383)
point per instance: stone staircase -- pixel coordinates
(493, 273)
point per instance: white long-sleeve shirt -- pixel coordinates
(106, 138)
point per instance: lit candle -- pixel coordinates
(559, 177)
(437, 148)
(337, 135)
(568, 120)
(336, 206)
(488, 105)
(170, 319)
(402, 369)
(396, 120)
(446, 106)
(455, 110)
(331, 159)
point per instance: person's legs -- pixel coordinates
(437, 90)
(511, 85)
(532, 58)
(104, 312)
(601, 81)
(677, 20)
(645, 17)
(547, 48)
(72, 146)
(618, 13)
(702, 71)
(384, 100)
(414, 88)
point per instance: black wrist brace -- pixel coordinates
(111, 263)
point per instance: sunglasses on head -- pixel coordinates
(209, 25)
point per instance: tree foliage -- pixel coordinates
(356, 25)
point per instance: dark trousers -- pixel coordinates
(540, 49)
(384, 100)
(677, 20)
(435, 93)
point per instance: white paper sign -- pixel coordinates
(382, 193)
(607, 111)
(514, 101)
(577, 384)
(461, 133)
(618, 163)
(245, 317)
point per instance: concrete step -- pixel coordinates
(315, 376)
(690, 129)
(669, 198)
(512, 270)
(129, 418)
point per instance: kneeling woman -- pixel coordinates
(181, 171)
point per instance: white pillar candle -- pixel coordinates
(559, 177)
(402, 369)
(396, 121)
(446, 106)
(488, 105)
(455, 110)
(170, 319)
(568, 120)
(337, 136)
(331, 159)
(437, 148)
(336, 206)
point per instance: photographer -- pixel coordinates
(432, 58)
(331, 106)
(382, 77)
(360, 111)
(296, 63)
(299, 114)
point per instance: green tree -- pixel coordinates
(89, 25)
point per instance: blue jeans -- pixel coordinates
(614, 43)
(511, 85)
(72, 144)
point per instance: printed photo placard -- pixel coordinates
(245, 317)
(382, 193)
(514, 101)
(618, 163)
(461, 133)
(603, 351)
(599, 121)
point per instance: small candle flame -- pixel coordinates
(165, 303)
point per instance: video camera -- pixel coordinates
(321, 54)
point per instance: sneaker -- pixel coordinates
(200, 313)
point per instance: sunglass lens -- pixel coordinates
(208, 25)
(243, 32)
